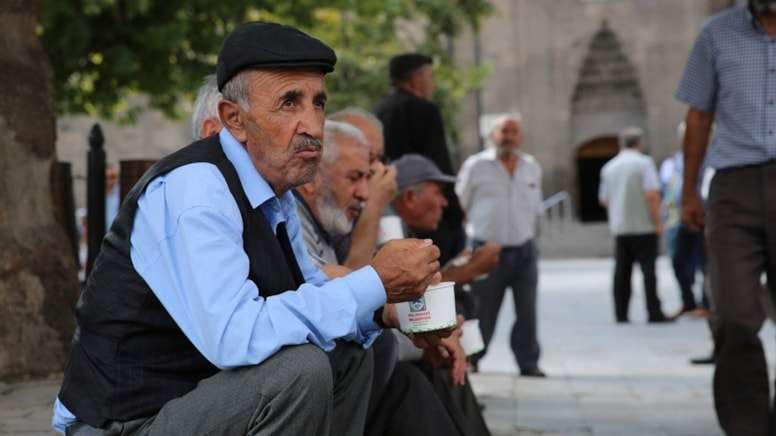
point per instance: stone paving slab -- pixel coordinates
(25, 408)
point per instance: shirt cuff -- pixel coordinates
(369, 293)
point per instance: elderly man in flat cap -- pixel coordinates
(203, 314)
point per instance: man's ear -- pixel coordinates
(233, 118)
(405, 199)
(211, 126)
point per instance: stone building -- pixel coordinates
(578, 71)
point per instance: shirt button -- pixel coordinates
(770, 132)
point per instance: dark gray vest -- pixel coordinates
(128, 357)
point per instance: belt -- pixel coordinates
(477, 243)
(747, 167)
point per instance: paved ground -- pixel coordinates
(605, 379)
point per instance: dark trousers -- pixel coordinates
(300, 390)
(460, 401)
(741, 241)
(403, 403)
(517, 268)
(409, 406)
(385, 352)
(689, 256)
(630, 249)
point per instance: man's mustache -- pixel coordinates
(307, 143)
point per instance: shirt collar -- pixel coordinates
(751, 19)
(309, 212)
(256, 187)
(490, 153)
(630, 151)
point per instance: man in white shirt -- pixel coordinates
(630, 190)
(500, 190)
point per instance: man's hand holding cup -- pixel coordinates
(407, 267)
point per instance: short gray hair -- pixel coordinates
(205, 106)
(237, 89)
(333, 129)
(355, 112)
(502, 119)
(630, 137)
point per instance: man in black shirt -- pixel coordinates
(412, 123)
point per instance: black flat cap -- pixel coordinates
(270, 45)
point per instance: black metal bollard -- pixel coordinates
(95, 194)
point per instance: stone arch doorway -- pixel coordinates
(607, 97)
(590, 158)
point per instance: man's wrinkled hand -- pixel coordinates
(407, 267)
(382, 183)
(430, 339)
(449, 354)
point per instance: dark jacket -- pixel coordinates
(414, 125)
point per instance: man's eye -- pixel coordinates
(288, 103)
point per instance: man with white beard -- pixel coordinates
(402, 399)
(331, 203)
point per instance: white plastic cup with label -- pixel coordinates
(390, 228)
(435, 310)
(471, 339)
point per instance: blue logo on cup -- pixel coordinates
(418, 305)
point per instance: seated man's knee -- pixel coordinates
(312, 365)
(303, 370)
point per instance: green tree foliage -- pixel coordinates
(105, 51)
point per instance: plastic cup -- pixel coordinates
(390, 228)
(435, 310)
(471, 339)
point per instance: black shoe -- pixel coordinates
(704, 360)
(660, 319)
(534, 372)
(623, 321)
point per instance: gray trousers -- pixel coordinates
(300, 390)
(741, 241)
(517, 268)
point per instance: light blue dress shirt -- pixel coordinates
(187, 244)
(731, 71)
